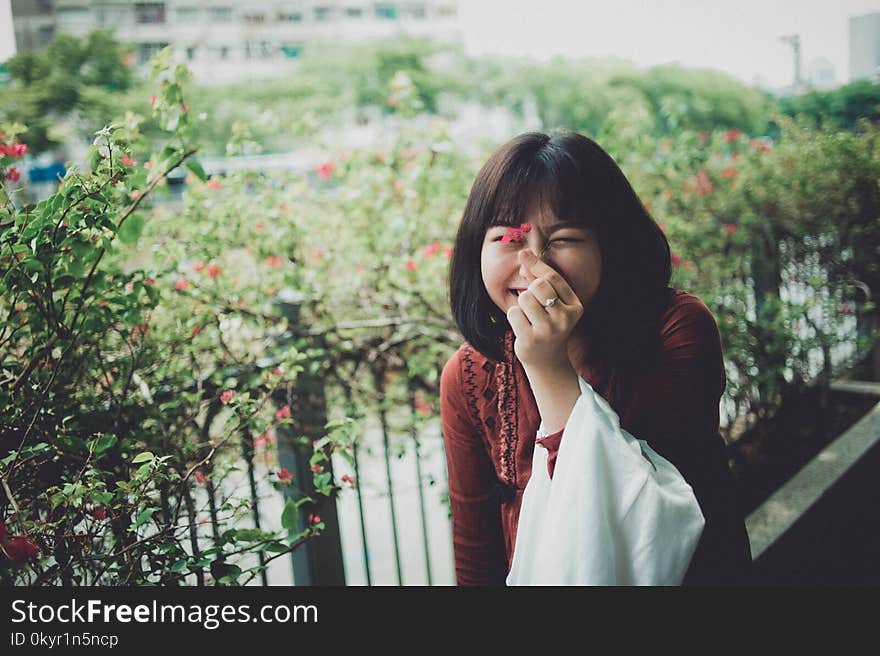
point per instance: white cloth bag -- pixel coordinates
(615, 512)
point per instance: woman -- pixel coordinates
(559, 272)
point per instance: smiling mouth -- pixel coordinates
(516, 291)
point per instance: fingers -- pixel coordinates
(541, 270)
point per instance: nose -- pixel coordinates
(524, 272)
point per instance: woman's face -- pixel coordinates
(570, 250)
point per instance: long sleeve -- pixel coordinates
(477, 537)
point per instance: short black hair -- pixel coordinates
(572, 176)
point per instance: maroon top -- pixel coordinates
(490, 420)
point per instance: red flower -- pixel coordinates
(227, 396)
(103, 303)
(283, 413)
(431, 249)
(213, 270)
(761, 146)
(13, 174)
(19, 150)
(99, 513)
(704, 137)
(689, 265)
(20, 549)
(447, 252)
(128, 161)
(153, 99)
(277, 371)
(184, 107)
(731, 135)
(729, 172)
(284, 475)
(149, 281)
(259, 226)
(135, 194)
(423, 408)
(200, 477)
(410, 265)
(514, 234)
(181, 284)
(348, 478)
(273, 261)
(325, 170)
(213, 183)
(703, 184)
(317, 469)
(199, 266)
(195, 331)
(730, 228)
(317, 254)
(314, 519)
(661, 226)
(675, 258)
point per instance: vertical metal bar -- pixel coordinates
(247, 451)
(360, 498)
(319, 561)
(415, 437)
(379, 376)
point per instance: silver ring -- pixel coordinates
(550, 302)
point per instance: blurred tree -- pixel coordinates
(73, 75)
(842, 107)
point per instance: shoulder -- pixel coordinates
(464, 367)
(686, 320)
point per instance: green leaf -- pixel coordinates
(290, 515)
(196, 167)
(179, 566)
(102, 443)
(144, 516)
(130, 231)
(146, 456)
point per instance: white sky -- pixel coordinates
(739, 37)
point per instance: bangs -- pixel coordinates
(548, 181)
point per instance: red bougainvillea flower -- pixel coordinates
(213, 270)
(99, 513)
(153, 99)
(200, 477)
(729, 172)
(181, 285)
(731, 135)
(273, 261)
(13, 150)
(317, 469)
(199, 266)
(325, 170)
(277, 371)
(730, 228)
(13, 174)
(285, 476)
(227, 396)
(259, 226)
(515, 234)
(760, 146)
(318, 253)
(689, 265)
(195, 331)
(661, 226)
(447, 252)
(423, 408)
(703, 184)
(431, 249)
(675, 258)
(411, 266)
(20, 549)
(184, 107)
(135, 194)
(283, 413)
(213, 183)
(128, 161)
(704, 136)
(348, 478)
(149, 281)
(314, 519)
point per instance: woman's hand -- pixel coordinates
(542, 331)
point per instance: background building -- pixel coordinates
(225, 40)
(864, 47)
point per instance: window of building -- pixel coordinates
(224, 52)
(147, 50)
(323, 13)
(190, 53)
(149, 13)
(386, 11)
(220, 14)
(290, 17)
(254, 18)
(73, 17)
(414, 10)
(186, 14)
(446, 11)
(354, 12)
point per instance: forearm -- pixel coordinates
(556, 391)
